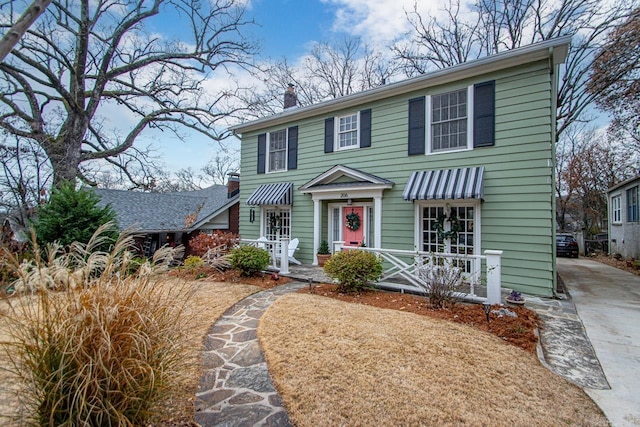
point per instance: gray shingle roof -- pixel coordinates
(164, 212)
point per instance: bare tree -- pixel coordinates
(24, 178)
(218, 169)
(615, 80)
(590, 164)
(84, 61)
(494, 26)
(330, 70)
(11, 37)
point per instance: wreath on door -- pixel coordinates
(353, 221)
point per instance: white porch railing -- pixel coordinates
(413, 267)
(278, 249)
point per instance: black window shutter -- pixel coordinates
(365, 128)
(328, 135)
(484, 106)
(292, 149)
(262, 152)
(416, 126)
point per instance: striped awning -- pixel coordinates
(463, 183)
(272, 194)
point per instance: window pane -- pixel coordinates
(449, 120)
(348, 131)
(277, 150)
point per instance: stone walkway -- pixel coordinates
(235, 388)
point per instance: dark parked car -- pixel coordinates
(566, 245)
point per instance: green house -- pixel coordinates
(459, 161)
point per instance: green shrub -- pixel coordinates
(249, 259)
(72, 215)
(107, 350)
(193, 262)
(354, 269)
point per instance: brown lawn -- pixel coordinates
(337, 363)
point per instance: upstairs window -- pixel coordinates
(278, 150)
(449, 121)
(347, 131)
(452, 121)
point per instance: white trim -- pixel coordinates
(286, 152)
(428, 122)
(477, 226)
(617, 197)
(336, 132)
(338, 171)
(342, 206)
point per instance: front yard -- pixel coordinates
(339, 363)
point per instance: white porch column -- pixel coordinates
(377, 222)
(284, 255)
(494, 271)
(317, 223)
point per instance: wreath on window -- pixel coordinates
(454, 229)
(275, 222)
(353, 221)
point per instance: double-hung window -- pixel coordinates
(632, 205)
(278, 150)
(347, 131)
(461, 119)
(616, 209)
(449, 121)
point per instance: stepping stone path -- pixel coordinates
(235, 388)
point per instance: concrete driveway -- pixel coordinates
(608, 302)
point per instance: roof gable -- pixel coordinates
(341, 175)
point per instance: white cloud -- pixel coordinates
(377, 22)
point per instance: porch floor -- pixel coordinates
(304, 272)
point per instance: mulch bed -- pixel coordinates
(211, 274)
(617, 263)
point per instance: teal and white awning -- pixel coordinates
(272, 194)
(445, 184)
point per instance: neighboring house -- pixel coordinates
(173, 218)
(624, 218)
(469, 148)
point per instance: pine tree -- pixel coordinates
(71, 215)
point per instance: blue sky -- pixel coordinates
(287, 28)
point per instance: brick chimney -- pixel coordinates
(233, 184)
(290, 98)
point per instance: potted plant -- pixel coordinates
(323, 253)
(515, 297)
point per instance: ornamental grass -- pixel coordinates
(93, 341)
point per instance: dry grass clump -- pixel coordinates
(107, 349)
(336, 363)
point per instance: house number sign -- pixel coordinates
(344, 195)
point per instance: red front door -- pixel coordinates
(353, 236)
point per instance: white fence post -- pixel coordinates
(284, 255)
(337, 246)
(494, 271)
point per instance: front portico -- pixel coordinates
(342, 191)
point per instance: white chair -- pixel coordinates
(293, 246)
(262, 243)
